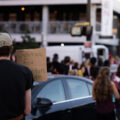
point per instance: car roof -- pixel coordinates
(54, 76)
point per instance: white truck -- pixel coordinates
(76, 53)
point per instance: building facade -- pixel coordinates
(50, 21)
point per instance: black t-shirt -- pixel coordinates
(15, 79)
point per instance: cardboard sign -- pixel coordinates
(34, 59)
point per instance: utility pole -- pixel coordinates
(88, 10)
(89, 27)
(90, 39)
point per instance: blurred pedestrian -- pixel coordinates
(100, 62)
(102, 92)
(81, 71)
(116, 80)
(48, 64)
(75, 68)
(93, 68)
(16, 82)
(87, 69)
(55, 63)
(106, 63)
(66, 65)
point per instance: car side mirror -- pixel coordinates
(41, 104)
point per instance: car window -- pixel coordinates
(53, 90)
(77, 88)
(90, 88)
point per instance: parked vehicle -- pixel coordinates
(63, 98)
(77, 53)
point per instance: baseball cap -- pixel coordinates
(5, 40)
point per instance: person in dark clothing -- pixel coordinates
(100, 62)
(94, 68)
(16, 83)
(102, 92)
(55, 63)
(106, 63)
(91, 71)
(65, 65)
(48, 64)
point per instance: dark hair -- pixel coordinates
(93, 60)
(55, 55)
(5, 51)
(66, 59)
(118, 71)
(107, 63)
(103, 88)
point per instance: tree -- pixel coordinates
(28, 42)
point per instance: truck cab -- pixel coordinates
(101, 50)
(76, 53)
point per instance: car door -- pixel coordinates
(82, 105)
(54, 91)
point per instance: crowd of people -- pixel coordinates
(106, 85)
(88, 68)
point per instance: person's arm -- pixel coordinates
(27, 102)
(115, 91)
(93, 94)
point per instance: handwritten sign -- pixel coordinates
(35, 59)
